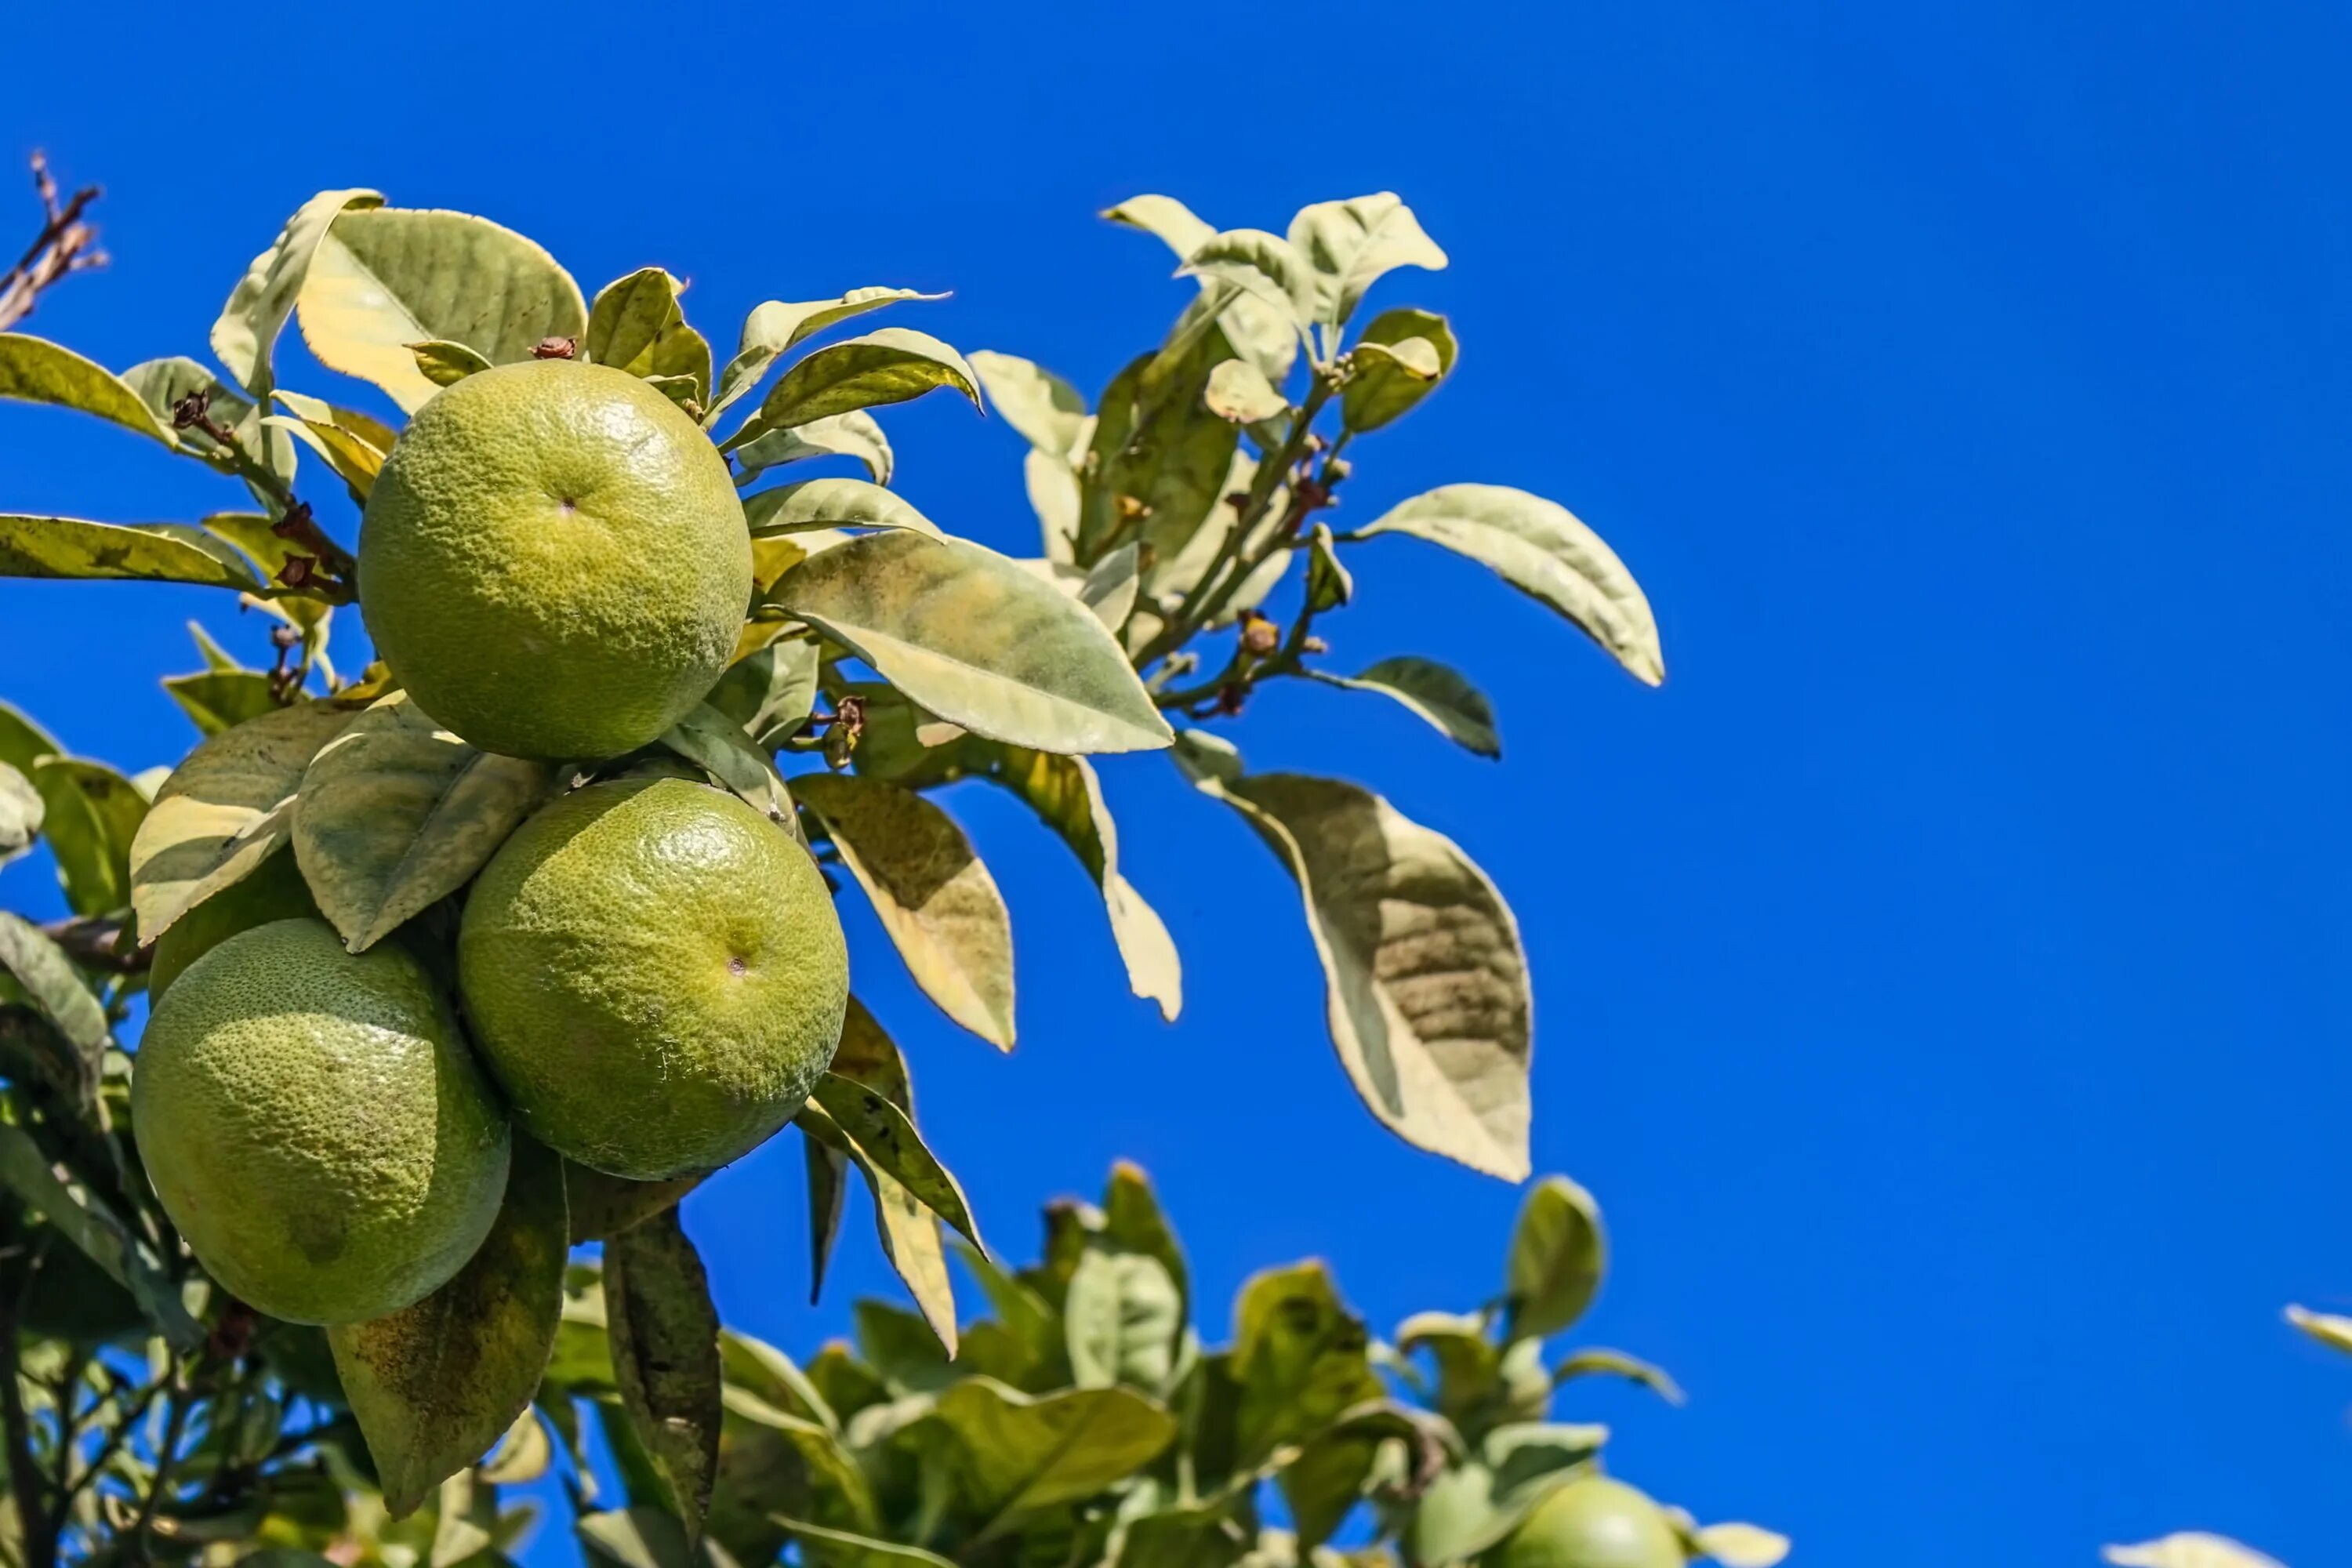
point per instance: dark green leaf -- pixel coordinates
(1161, 461)
(1559, 1252)
(84, 1219)
(1390, 380)
(1438, 693)
(436, 1384)
(75, 1046)
(603, 1205)
(638, 325)
(665, 1352)
(1016, 1456)
(1299, 1357)
(769, 690)
(1329, 583)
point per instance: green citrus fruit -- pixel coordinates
(274, 890)
(554, 562)
(314, 1125)
(655, 974)
(1592, 1523)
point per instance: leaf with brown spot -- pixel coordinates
(436, 1384)
(665, 1333)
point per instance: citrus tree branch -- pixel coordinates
(66, 243)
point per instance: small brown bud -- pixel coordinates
(555, 348)
(297, 570)
(1230, 700)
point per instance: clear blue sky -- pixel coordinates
(1941, 981)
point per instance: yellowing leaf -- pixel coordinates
(155, 551)
(38, 371)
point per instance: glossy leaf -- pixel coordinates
(152, 551)
(91, 816)
(395, 812)
(970, 635)
(436, 1384)
(636, 324)
(1537, 547)
(1240, 392)
(2188, 1549)
(1427, 992)
(223, 811)
(772, 328)
(852, 435)
(1389, 378)
(85, 1220)
(889, 366)
(1015, 1455)
(831, 503)
(36, 370)
(1050, 414)
(664, 1335)
(46, 980)
(1438, 694)
(246, 332)
(218, 699)
(1558, 1253)
(933, 894)
(1349, 244)
(386, 278)
(1299, 1358)
(1123, 1315)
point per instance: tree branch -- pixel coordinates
(66, 243)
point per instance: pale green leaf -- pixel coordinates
(223, 811)
(847, 1549)
(523, 1454)
(1746, 1546)
(878, 1119)
(664, 1335)
(20, 812)
(1439, 694)
(775, 326)
(934, 896)
(1427, 993)
(395, 812)
(884, 367)
(2189, 1549)
(1122, 1316)
(1263, 265)
(1110, 587)
(1053, 489)
(152, 551)
(1389, 378)
(770, 691)
(366, 427)
(246, 332)
(852, 435)
(830, 503)
(1016, 1455)
(435, 1384)
(1050, 414)
(1539, 548)
(38, 371)
(1262, 333)
(971, 637)
(1239, 391)
(1349, 244)
(386, 278)
(909, 1227)
(1559, 1252)
(1617, 1363)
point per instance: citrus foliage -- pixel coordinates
(877, 657)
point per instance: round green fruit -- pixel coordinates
(553, 560)
(314, 1125)
(274, 890)
(1594, 1522)
(655, 974)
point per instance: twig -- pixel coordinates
(64, 245)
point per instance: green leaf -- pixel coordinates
(908, 1225)
(934, 896)
(90, 814)
(1050, 414)
(852, 435)
(1052, 485)
(1133, 1220)
(1109, 590)
(846, 1549)
(2325, 1327)
(1390, 377)
(1239, 391)
(642, 1537)
(446, 364)
(436, 1384)
(828, 1189)
(395, 812)
(20, 813)
(1469, 1364)
(355, 459)
(1329, 584)
(713, 740)
(1159, 460)
(218, 699)
(523, 1454)
(773, 327)
(831, 503)
(1122, 1315)
(665, 1352)
(1263, 265)
(1299, 1358)
(1439, 694)
(978, 641)
(1349, 244)
(50, 985)
(163, 383)
(84, 1219)
(603, 1205)
(889, 366)
(1016, 1456)
(1537, 547)
(770, 691)
(257, 307)
(1472, 1506)
(223, 811)
(386, 278)
(1617, 1363)
(1427, 991)
(152, 551)
(254, 533)
(869, 1100)
(637, 324)
(1558, 1253)
(1261, 331)
(36, 370)
(1752, 1546)
(23, 742)
(2188, 1549)
(1335, 1468)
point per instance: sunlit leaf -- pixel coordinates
(1050, 414)
(246, 332)
(1263, 265)
(38, 371)
(889, 366)
(1260, 332)
(155, 551)
(1439, 694)
(637, 324)
(1123, 1314)
(20, 812)
(1617, 1363)
(1016, 1455)
(446, 364)
(1349, 244)
(1239, 391)
(851, 435)
(830, 503)
(1559, 1250)
(1749, 1545)
(1391, 374)
(1537, 547)
(773, 327)
(2336, 1333)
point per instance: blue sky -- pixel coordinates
(1940, 980)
